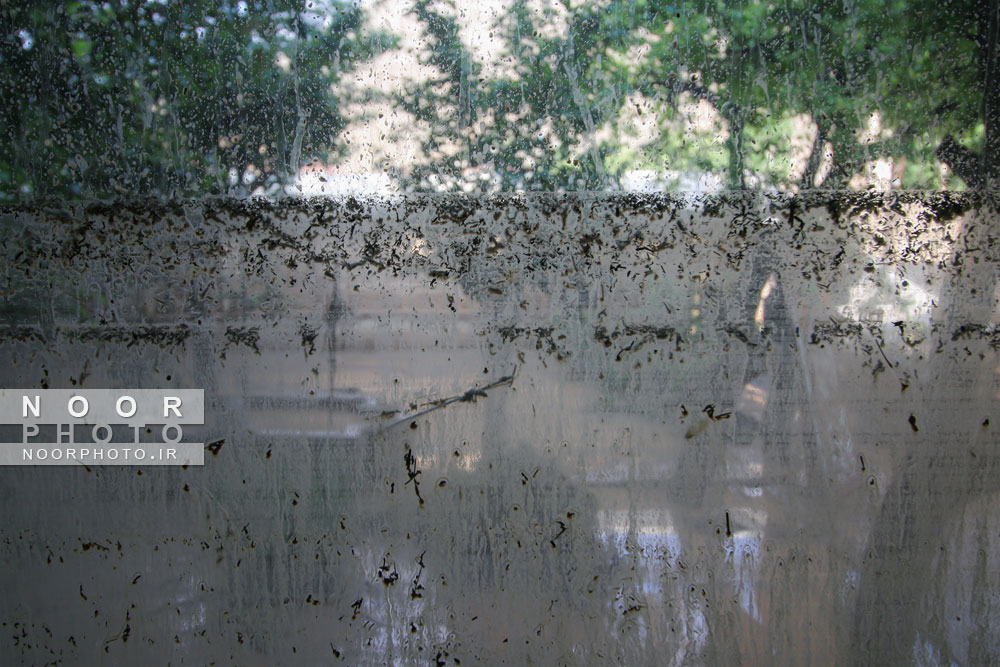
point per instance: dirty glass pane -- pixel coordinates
(529, 332)
(534, 429)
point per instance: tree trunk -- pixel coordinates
(815, 159)
(981, 170)
(989, 59)
(737, 178)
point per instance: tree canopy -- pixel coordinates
(207, 97)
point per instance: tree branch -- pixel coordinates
(676, 87)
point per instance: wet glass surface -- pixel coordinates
(532, 429)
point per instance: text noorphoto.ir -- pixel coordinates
(100, 426)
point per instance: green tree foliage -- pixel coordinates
(759, 63)
(202, 97)
(119, 98)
